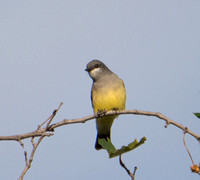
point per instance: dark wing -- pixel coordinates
(92, 95)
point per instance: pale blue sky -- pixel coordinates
(154, 46)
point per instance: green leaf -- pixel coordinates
(112, 150)
(197, 115)
(106, 144)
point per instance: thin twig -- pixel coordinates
(53, 115)
(194, 168)
(35, 145)
(28, 162)
(186, 146)
(26, 159)
(132, 175)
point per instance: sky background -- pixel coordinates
(154, 46)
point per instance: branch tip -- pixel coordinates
(134, 172)
(54, 112)
(20, 142)
(26, 159)
(167, 124)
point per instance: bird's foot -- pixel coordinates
(101, 113)
(115, 109)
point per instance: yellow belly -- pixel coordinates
(109, 99)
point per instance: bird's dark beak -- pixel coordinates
(88, 70)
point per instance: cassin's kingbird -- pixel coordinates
(108, 93)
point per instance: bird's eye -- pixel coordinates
(96, 65)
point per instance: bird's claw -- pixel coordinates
(115, 109)
(101, 113)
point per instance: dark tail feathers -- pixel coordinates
(102, 136)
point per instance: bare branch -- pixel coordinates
(19, 137)
(41, 131)
(119, 112)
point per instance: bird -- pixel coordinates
(108, 93)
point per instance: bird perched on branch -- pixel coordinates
(108, 93)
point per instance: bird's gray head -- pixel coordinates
(97, 69)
